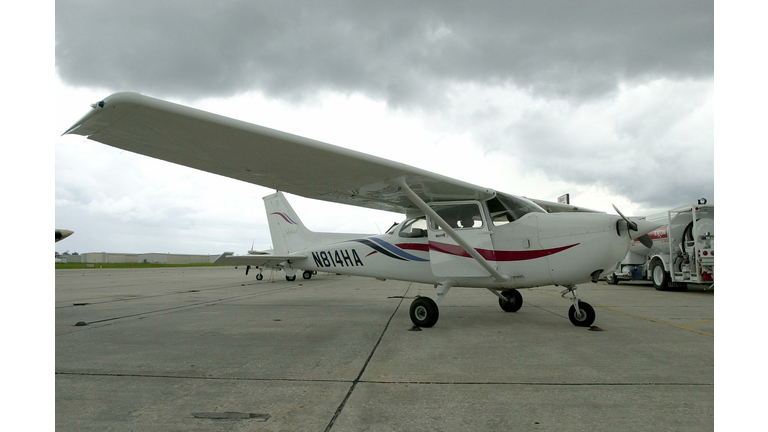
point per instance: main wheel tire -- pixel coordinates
(585, 317)
(514, 300)
(424, 312)
(659, 276)
(259, 276)
(307, 275)
(612, 279)
(290, 278)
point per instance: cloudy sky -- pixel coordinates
(610, 101)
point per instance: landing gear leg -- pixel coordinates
(581, 313)
(424, 311)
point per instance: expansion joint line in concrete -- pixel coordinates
(192, 306)
(365, 365)
(407, 383)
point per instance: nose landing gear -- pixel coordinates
(581, 314)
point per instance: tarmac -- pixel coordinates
(209, 348)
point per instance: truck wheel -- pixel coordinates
(612, 279)
(659, 276)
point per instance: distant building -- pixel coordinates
(153, 258)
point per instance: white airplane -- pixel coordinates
(455, 233)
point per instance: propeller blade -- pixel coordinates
(646, 241)
(631, 225)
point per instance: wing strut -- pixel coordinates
(423, 206)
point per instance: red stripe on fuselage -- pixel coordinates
(414, 246)
(493, 255)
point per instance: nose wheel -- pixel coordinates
(581, 314)
(584, 316)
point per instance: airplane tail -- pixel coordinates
(289, 235)
(288, 232)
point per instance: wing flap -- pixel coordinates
(262, 156)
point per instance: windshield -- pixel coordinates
(507, 208)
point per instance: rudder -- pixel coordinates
(288, 232)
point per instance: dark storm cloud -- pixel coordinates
(402, 52)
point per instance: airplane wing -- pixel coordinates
(554, 207)
(256, 260)
(262, 156)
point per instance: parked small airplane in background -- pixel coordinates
(261, 260)
(455, 233)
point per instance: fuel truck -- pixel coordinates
(680, 252)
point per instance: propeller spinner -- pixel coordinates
(645, 239)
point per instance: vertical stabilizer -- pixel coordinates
(288, 232)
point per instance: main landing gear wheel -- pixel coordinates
(307, 274)
(424, 312)
(584, 317)
(290, 278)
(259, 276)
(514, 300)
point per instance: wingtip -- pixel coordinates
(98, 107)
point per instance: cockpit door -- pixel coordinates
(447, 258)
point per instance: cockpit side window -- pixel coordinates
(459, 216)
(506, 208)
(414, 228)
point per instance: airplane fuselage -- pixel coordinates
(538, 249)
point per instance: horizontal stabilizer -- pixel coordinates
(230, 258)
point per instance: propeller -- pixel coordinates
(631, 225)
(645, 239)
